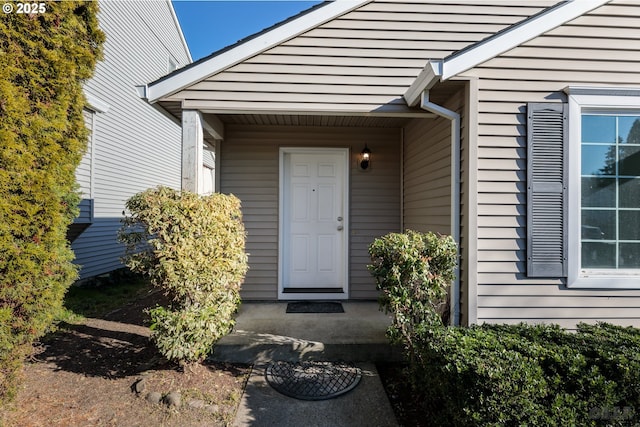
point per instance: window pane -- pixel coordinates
(599, 192)
(598, 128)
(598, 255)
(629, 160)
(629, 129)
(629, 193)
(629, 255)
(610, 191)
(629, 225)
(599, 225)
(598, 159)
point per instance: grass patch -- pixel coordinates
(98, 298)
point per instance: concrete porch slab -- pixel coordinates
(265, 332)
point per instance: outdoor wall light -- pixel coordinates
(365, 158)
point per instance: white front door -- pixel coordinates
(313, 220)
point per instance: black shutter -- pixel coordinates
(547, 132)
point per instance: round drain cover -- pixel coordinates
(312, 380)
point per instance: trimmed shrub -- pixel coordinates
(413, 271)
(496, 375)
(44, 60)
(191, 247)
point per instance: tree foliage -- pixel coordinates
(44, 59)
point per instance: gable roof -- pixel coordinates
(474, 55)
(225, 58)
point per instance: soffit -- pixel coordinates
(440, 94)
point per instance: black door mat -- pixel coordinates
(312, 380)
(315, 307)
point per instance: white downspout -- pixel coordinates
(454, 118)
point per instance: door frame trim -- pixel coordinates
(345, 154)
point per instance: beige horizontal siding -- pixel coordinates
(427, 176)
(358, 62)
(249, 169)
(599, 49)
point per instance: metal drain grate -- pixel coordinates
(312, 380)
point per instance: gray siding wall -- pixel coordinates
(599, 49)
(360, 61)
(249, 169)
(135, 146)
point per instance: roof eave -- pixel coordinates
(504, 41)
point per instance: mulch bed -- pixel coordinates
(87, 374)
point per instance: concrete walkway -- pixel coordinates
(364, 406)
(264, 332)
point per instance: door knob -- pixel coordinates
(340, 228)
(339, 218)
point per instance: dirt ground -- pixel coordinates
(102, 372)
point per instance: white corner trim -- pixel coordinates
(96, 104)
(278, 35)
(516, 35)
(427, 78)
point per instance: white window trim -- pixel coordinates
(583, 99)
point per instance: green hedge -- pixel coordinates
(192, 247)
(44, 60)
(497, 375)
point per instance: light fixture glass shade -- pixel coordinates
(365, 158)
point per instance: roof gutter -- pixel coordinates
(454, 118)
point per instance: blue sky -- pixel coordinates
(210, 25)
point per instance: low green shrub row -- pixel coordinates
(497, 375)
